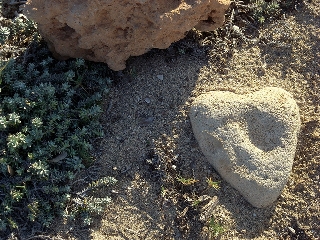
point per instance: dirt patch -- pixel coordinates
(149, 145)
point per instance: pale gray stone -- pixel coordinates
(249, 139)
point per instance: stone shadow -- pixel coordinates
(139, 123)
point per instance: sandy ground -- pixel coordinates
(149, 141)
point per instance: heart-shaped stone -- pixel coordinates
(249, 139)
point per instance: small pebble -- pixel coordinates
(292, 230)
(160, 77)
(147, 100)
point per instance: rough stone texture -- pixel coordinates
(111, 31)
(249, 139)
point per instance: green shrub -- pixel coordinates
(263, 10)
(49, 117)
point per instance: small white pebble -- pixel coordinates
(235, 28)
(174, 167)
(292, 230)
(160, 77)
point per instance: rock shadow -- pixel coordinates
(140, 149)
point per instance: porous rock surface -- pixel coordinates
(111, 31)
(249, 139)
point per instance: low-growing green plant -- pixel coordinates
(186, 181)
(215, 228)
(262, 10)
(213, 184)
(4, 34)
(163, 191)
(196, 202)
(85, 205)
(49, 118)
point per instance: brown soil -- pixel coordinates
(149, 141)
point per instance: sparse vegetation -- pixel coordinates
(196, 203)
(213, 184)
(15, 36)
(163, 191)
(215, 228)
(186, 181)
(263, 10)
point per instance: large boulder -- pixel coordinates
(111, 31)
(249, 139)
